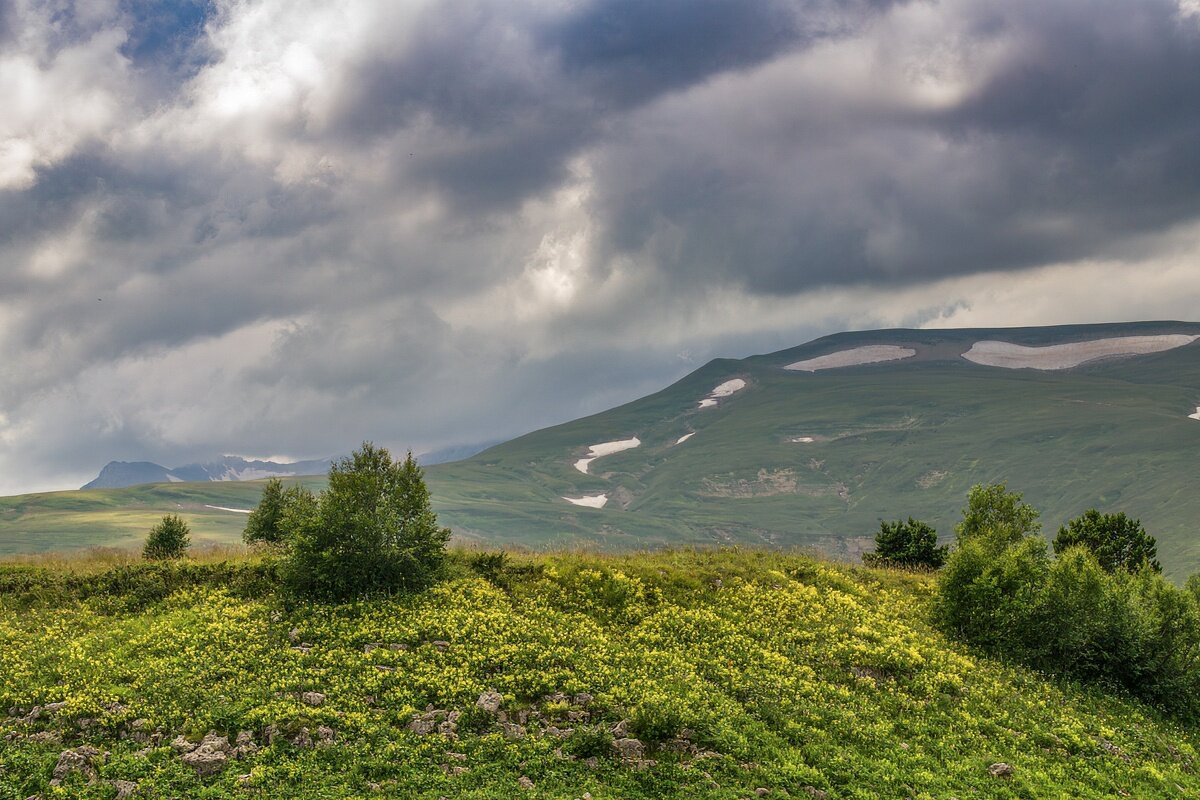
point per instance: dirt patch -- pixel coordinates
(932, 478)
(768, 483)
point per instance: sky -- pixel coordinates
(283, 227)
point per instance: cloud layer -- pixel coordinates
(266, 226)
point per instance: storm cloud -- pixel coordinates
(284, 226)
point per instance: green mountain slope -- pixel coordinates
(890, 440)
(720, 675)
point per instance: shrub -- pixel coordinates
(988, 592)
(263, 523)
(906, 544)
(1071, 616)
(373, 530)
(1118, 542)
(995, 509)
(168, 539)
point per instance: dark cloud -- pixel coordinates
(1083, 137)
(279, 229)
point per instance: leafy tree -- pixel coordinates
(907, 544)
(1117, 541)
(263, 523)
(372, 530)
(994, 508)
(170, 538)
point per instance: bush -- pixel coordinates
(168, 539)
(373, 530)
(1118, 542)
(996, 510)
(263, 523)
(906, 544)
(1073, 617)
(988, 592)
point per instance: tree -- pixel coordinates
(1118, 542)
(906, 544)
(372, 530)
(170, 538)
(263, 523)
(994, 508)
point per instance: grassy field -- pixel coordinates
(702, 674)
(891, 440)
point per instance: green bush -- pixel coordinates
(906, 544)
(1118, 542)
(263, 524)
(1073, 617)
(373, 530)
(168, 539)
(996, 510)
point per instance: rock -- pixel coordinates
(368, 648)
(312, 698)
(456, 769)
(205, 760)
(125, 789)
(577, 716)
(45, 737)
(244, 780)
(244, 745)
(490, 702)
(621, 729)
(1000, 770)
(397, 647)
(629, 748)
(422, 726)
(558, 733)
(303, 649)
(762, 791)
(440, 644)
(180, 744)
(383, 668)
(524, 782)
(815, 793)
(582, 699)
(456, 756)
(325, 736)
(512, 731)
(51, 708)
(294, 636)
(218, 744)
(82, 760)
(302, 739)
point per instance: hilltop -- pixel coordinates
(749, 451)
(677, 674)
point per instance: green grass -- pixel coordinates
(900, 439)
(783, 672)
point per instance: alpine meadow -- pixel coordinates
(599, 400)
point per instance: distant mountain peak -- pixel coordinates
(119, 474)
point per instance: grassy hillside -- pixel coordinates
(679, 674)
(890, 440)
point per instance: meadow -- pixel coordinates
(685, 673)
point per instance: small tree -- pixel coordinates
(168, 539)
(993, 508)
(263, 524)
(372, 530)
(1118, 542)
(907, 544)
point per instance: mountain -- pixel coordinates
(119, 474)
(752, 451)
(749, 451)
